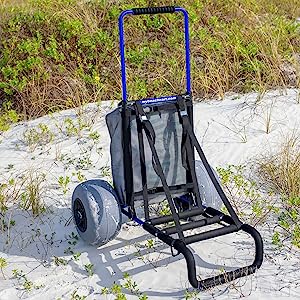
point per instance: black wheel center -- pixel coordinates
(80, 215)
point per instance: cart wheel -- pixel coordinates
(208, 193)
(96, 212)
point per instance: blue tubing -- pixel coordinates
(122, 50)
(127, 213)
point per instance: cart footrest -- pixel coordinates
(182, 248)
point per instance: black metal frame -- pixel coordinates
(183, 219)
(181, 215)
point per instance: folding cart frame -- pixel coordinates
(188, 205)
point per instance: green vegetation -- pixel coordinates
(76, 296)
(24, 191)
(32, 194)
(37, 136)
(22, 279)
(3, 265)
(251, 206)
(64, 182)
(280, 171)
(8, 116)
(127, 285)
(64, 53)
(89, 269)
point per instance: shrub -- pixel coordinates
(57, 54)
(8, 116)
(251, 206)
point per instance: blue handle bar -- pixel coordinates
(187, 49)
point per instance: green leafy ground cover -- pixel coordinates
(60, 54)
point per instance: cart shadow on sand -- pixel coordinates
(43, 238)
(123, 254)
(109, 270)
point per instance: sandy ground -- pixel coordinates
(236, 131)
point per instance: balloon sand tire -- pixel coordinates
(96, 212)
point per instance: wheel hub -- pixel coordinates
(80, 215)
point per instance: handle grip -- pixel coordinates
(153, 10)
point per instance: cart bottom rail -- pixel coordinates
(182, 248)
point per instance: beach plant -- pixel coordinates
(37, 136)
(95, 137)
(3, 197)
(116, 290)
(8, 116)
(239, 131)
(76, 256)
(280, 172)
(244, 195)
(76, 296)
(191, 295)
(58, 261)
(10, 192)
(150, 243)
(24, 190)
(69, 250)
(72, 241)
(71, 128)
(31, 197)
(89, 269)
(75, 127)
(63, 182)
(73, 238)
(128, 284)
(164, 209)
(276, 240)
(24, 281)
(82, 162)
(268, 118)
(289, 219)
(106, 171)
(79, 176)
(3, 265)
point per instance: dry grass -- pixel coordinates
(281, 171)
(55, 93)
(25, 191)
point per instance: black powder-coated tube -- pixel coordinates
(182, 215)
(194, 224)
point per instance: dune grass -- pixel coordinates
(60, 54)
(280, 172)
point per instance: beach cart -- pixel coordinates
(153, 158)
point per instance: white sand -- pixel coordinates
(232, 131)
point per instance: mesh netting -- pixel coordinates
(168, 146)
